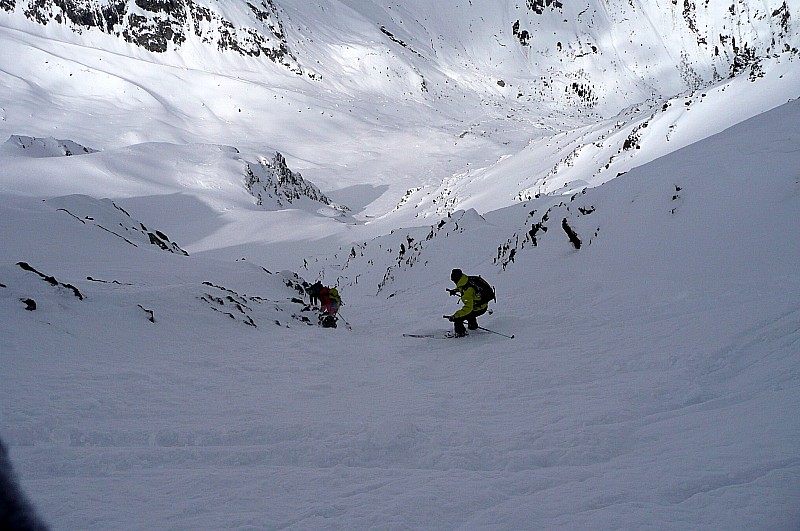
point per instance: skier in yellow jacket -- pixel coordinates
(473, 307)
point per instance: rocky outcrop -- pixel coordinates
(104, 214)
(539, 6)
(161, 25)
(274, 185)
(34, 147)
(50, 280)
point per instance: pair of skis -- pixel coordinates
(451, 335)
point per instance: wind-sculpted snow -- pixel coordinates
(26, 146)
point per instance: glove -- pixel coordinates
(452, 291)
(449, 318)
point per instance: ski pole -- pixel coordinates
(339, 314)
(498, 333)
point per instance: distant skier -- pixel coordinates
(475, 295)
(329, 304)
(314, 291)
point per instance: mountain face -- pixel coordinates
(530, 97)
(158, 25)
(489, 81)
(598, 57)
(273, 184)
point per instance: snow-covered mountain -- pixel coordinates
(174, 175)
(595, 51)
(460, 86)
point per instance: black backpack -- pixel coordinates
(483, 290)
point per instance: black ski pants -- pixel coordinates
(472, 321)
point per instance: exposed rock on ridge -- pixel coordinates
(159, 25)
(43, 147)
(271, 181)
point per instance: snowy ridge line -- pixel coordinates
(43, 147)
(596, 154)
(51, 280)
(566, 67)
(105, 213)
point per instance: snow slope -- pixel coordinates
(653, 381)
(160, 211)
